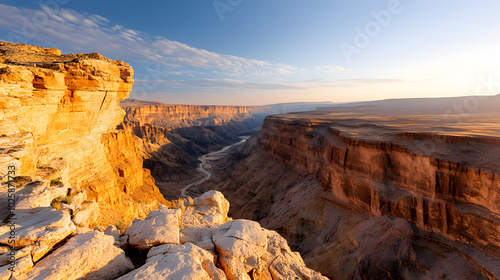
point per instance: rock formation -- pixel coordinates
(73, 170)
(196, 241)
(215, 247)
(89, 255)
(179, 116)
(58, 122)
(367, 192)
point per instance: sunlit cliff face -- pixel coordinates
(61, 112)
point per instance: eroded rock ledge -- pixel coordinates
(195, 241)
(58, 119)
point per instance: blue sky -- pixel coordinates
(252, 52)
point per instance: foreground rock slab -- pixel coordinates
(85, 256)
(88, 215)
(247, 251)
(41, 227)
(186, 261)
(202, 219)
(209, 208)
(37, 194)
(210, 249)
(240, 244)
(160, 227)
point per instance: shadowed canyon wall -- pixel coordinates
(363, 196)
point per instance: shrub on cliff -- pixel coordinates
(56, 202)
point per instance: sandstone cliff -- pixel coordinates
(58, 122)
(177, 116)
(363, 194)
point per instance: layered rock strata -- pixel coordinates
(177, 116)
(362, 195)
(58, 122)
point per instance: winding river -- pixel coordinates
(203, 161)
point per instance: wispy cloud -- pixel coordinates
(385, 81)
(225, 84)
(88, 32)
(233, 86)
(330, 68)
(373, 81)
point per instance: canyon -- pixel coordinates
(392, 189)
(396, 189)
(76, 201)
(170, 138)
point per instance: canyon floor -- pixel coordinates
(206, 162)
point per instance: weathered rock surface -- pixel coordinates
(44, 96)
(208, 209)
(22, 260)
(215, 249)
(160, 227)
(38, 194)
(88, 214)
(202, 236)
(177, 262)
(240, 244)
(40, 228)
(113, 231)
(85, 256)
(238, 249)
(322, 178)
(202, 217)
(282, 263)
